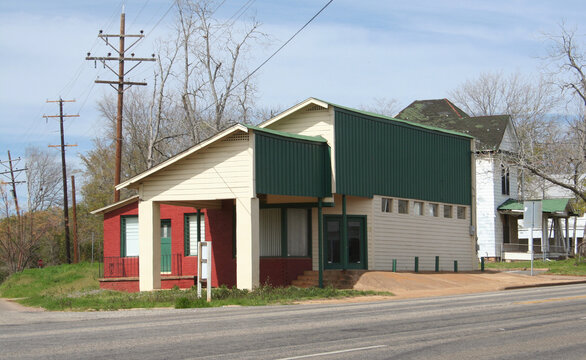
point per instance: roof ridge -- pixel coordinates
(453, 108)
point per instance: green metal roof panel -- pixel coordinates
(290, 165)
(380, 157)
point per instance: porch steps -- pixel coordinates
(339, 279)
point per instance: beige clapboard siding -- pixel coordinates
(310, 123)
(354, 206)
(404, 236)
(220, 171)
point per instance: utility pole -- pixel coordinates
(121, 84)
(74, 213)
(12, 180)
(64, 170)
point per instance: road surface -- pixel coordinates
(538, 323)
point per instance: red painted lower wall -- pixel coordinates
(219, 226)
(282, 271)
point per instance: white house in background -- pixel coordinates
(496, 181)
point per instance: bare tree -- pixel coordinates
(567, 66)
(532, 103)
(383, 106)
(21, 236)
(216, 90)
(44, 183)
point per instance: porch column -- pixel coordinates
(247, 243)
(149, 245)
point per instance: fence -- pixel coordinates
(121, 267)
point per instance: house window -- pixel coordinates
(448, 211)
(461, 212)
(129, 234)
(434, 210)
(418, 207)
(297, 232)
(195, 231)
(505, 180)
(270, 232)
(387, 205)
(403, 206)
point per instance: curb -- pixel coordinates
(544, 285)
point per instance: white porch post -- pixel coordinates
(247, 243)
(149, 235)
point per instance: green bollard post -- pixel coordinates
(455, 265)
(482, 263)
(417, 264)
(394, 265)
(437, 264)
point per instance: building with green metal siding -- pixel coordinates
(387, 157)
(323, 187)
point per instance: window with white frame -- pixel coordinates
(448, 211)
(194, 233)
(505, 180)
(403, 206)
(461, 212)
(387, 205)
(270, 232)
(433, 210)
(129, 232)
(418, 208)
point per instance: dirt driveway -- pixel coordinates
(413, 285)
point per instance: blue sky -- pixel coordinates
(353, 52)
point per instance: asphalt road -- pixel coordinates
(538, 323)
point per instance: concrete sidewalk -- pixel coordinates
(414, 285)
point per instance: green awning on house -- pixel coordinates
(550, 206)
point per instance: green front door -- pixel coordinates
(165, 246)
(349, 252)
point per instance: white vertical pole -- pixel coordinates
(199, 257)
(209, 273)
(531, 247)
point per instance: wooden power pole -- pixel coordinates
(64, 170)
(12, 180)
(74, 214)
(121, 84)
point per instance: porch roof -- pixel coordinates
(116, 205)
(562, 206)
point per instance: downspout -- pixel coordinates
(344, 239)
(320, 243)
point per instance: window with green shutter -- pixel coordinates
(194, 232)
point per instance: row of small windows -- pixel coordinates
(420, 208)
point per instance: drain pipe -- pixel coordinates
(320, 244)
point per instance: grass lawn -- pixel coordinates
(560, 267)
(76, 287)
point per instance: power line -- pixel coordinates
(277, 51)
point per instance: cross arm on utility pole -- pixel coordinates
(117, 83)
(14, 170)
(112, 58)
(59, 116)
